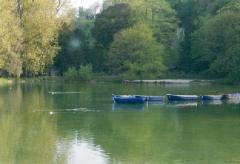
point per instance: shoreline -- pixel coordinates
(113, 79)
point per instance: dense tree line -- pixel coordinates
(218, 40)
(147, 38)
(136, 38)
(127, 37)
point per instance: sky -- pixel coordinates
(84, 3)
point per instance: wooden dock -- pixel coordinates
(168, 81)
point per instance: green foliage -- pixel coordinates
(232, 6)
(219, 43)
(158, 14)
(107, 23)
(192, 15)
(74, 41)
(110, 21)
(135, 52)
(40, 28)
(85, 72)
(10, 39)
(163, 20)
(13, 65)
(28, 32)
(140, 38)
(71, 73)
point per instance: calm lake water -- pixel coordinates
(78, 124)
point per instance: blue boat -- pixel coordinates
(154, 98)
(212, 97)
(171, 97)
(128, 99)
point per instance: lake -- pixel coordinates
(72, 123)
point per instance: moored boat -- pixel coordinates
(233, 96)
(212, 97)
(172, 97)
(131, 99)
(154, 98)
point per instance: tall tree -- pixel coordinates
(110, 21)
(75, 39)
(40, 32)
(192, 14)
(10, 39)
(159, 15)
(136, 52)
(28, 34)
(219, 42)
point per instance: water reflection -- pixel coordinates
(89, 129)
(212, 102)
(182, 104)
(130, 107)
(82, 151)
(234, 100)
(24, 133)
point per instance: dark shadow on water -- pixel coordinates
(128, 107)
(155, 103)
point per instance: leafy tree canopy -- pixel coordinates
(158, 14)
(10, 39)
(136, 52)
(110, 21)
(74, 40)
(219, 43)
(28, 35)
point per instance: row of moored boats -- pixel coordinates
(172, 97)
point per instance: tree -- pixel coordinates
(76, 40)
(219, 43)
(28, 33)
(192, 14)
(110, 21)
(10, 39)
(159, 15)
(136, 52)
(40, 32)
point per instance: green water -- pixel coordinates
(80, 125)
